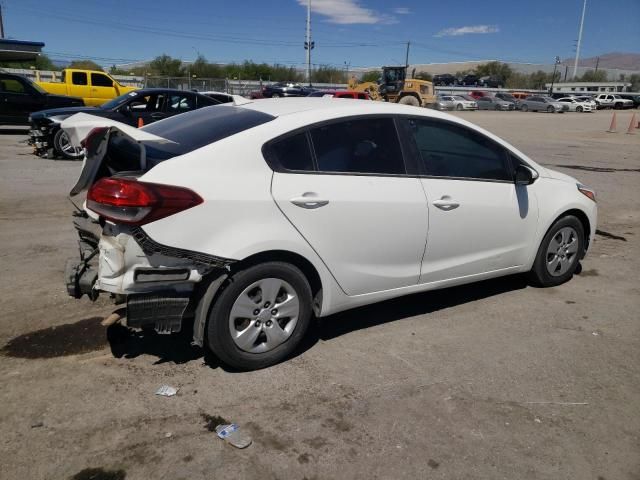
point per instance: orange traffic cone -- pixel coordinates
(612, 127)
(632, 125)
(141, 122)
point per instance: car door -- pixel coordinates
(479, 220)
(81, 88)
(102, 88)
(17, 100)
(344, 186)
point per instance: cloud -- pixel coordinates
(346, 12)
(402, 10)
(456, 32)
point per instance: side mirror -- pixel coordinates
(525, 175)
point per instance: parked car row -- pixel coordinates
(448, 80)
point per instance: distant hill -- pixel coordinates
(623, 61)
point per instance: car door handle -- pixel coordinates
(309, 200)
(446, 203)
(157, 115)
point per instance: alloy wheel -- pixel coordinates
(562, 251)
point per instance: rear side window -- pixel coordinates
(448, 150)
(358, 146)
(293, 153)
(11, 85)
(79, 78)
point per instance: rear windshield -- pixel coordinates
(201, 127)
(190, 131)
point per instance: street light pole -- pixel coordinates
(575, 65)
(553, 79)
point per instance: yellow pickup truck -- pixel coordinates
(94, 87)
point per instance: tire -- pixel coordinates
(550, 109)
(276, 95)
(63, 147)
(458, 107)
(273, 343)
(524, 108)
(566, 230)
(410, 100)
(497, 108)
(579, 109)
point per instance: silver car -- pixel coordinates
(494, 103)
(543, 104)
(445, 102)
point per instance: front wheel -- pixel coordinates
(559, 253)
(261, 316)
(459, 107)
(276, 95)
(579, 109)
(550, 109)
(63, 146)
(524, 108)
(410, 100)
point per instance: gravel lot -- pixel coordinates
(496, 380)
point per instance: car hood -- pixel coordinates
(57, 112)
(559, 176)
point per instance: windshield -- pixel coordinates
(118, 101)
(506, 96)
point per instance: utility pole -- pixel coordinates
(1, 23)
(597, 63)
(406, 61)
(575, 65)
(553, 78)
(308, 44)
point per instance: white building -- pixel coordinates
(591, 87)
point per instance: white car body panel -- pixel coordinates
(364, 252)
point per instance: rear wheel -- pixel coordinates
(410, 100)
(261, 316)
(559, 253)
(63, 146)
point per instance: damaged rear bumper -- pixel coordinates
(156, 281)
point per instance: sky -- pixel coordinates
(353, 33)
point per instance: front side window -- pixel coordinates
(449, 150)
(79, 78)
(358, 146)
(99, 80)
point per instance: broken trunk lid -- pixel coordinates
(78, 126)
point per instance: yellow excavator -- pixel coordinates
(393, 86)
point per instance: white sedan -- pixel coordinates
(246, 219)
(576, 105)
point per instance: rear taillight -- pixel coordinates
(92, 135)
(132, 202)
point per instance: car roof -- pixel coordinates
(289, 106)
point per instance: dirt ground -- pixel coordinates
(496, 380)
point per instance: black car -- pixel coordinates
(492, 81)
(445, 79)
(470, 80)
(19, 96)
(136, 108)
(286, 89)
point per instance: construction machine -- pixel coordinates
(394, 86)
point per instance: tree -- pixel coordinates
(494, 68)
(85, 65)
(165, 65)
(634, 79)
(327, 74)
(114, 70)
(593, 76)
(371, 76)
(42, 62)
